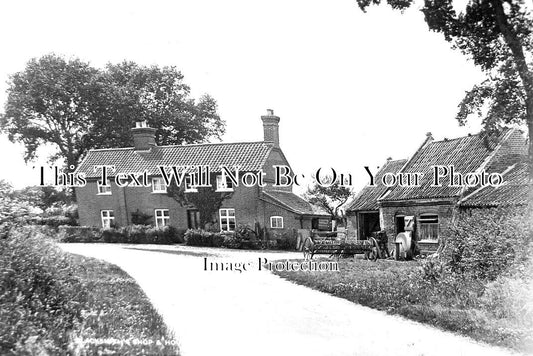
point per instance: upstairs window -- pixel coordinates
(158, 185)
(108, 218)
(104, 189)
(276, 222)
(227, 219)
(224, 185)
(189, 187)
(429, 227)
(162, 217)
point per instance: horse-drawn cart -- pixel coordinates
(372, 248)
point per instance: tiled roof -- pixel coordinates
(367, 199)
(514, 190)
(249, 156)
(292, 202)
(466, 154)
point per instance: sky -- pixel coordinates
(351, 88)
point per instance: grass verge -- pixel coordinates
(453, 303)
(118, 317)
(54, 303)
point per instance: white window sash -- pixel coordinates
(104, 189)
(162, 219)
(276, 222)
(226, 220)
(222, 186)
(158, 185)
(106, 218)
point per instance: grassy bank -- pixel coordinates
(55, 303)
(494, 312)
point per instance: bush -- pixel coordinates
(197, 237)
(39, 303)
(55, 220)
(78, 234)
(286, 240)
(487, 242)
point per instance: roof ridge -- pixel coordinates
(185, 145)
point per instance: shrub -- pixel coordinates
(39, 303)
(196, 237)
(78, 234)
(55, 220)
(487, 242)
(286, 240)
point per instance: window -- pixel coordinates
(104, 189)
(189, 188)
(276, 222)
(162, 217)
(224, 186)
(158, 185)
(108, 218)
(193, 219)
(227, 219)
(429, 227)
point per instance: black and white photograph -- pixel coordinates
(236, 178)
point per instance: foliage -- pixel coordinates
(487, 242)
(329, 197)
(205, 199)
(134, 234)
(13, 209)
(75, 107)
(143, 234)
(197, 237)
(40, 299)
(50, 302)
(427, 292)
(140, 218)
(497, 35)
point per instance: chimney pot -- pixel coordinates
(143, 136)
(271, 127)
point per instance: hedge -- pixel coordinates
(136, 234)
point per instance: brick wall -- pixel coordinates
(443, 209)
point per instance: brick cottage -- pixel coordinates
(275, 208)
(432, 207)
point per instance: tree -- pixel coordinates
(329, 197)
(50, 102)
(497, 35)
(75, 107)
(133, 93)
(205, 199)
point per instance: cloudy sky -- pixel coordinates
(351, 88)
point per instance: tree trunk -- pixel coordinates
(526, 76)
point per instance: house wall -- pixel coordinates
(444, 209)
(277, 158)
(249, 209)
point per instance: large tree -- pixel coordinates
(497, 35)
(75, 107)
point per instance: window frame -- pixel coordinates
(165, 219)
(276, 218)
(162, 184)
(428, 219)
(226, 219)
(106, 190)
(109, 219)
(188, 185)
(225, 188)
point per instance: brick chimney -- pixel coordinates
(143, 136)
(271, 127)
